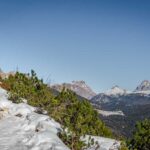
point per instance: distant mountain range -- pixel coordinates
(135, 106)
(84, 90)
(144, 87)
(118, 108)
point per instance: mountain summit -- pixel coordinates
(134, 105)
(144, 86)
(79, 87)
(115, 90)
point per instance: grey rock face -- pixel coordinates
(144, 86)
(79, 87)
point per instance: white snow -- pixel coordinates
(142, 92)
(110, 113)
(116, 90)
(103, 143)
(23, 129)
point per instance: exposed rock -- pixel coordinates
(116, 90)
(79, 87)
(143, 87)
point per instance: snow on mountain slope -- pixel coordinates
(116, 90)
(23, 129)
(144, 87)
(110, 113)
(103, 143)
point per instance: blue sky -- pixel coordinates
(102, 42)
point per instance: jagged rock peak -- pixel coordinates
(144, 86)
(79, 87)
(79, 82)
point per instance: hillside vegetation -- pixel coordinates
(141, 136)
(77, 117)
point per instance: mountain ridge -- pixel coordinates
(115, 90)
(135, 106)
(79, 87)
(82, 89)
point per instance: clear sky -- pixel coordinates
(104, 42)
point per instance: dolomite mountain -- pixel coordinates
(132, 106)
(143, 87)
(84, 90)
(79, 87)
(116, 90)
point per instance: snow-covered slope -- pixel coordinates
(116, 90)
(103, 143)
(21, 128)
(144, 87)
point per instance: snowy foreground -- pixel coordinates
(23, 129)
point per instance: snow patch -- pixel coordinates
(116, 90)
(110, 113)
(142, 92)
(103, 143)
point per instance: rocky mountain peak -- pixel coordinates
(79, 87)
(80, 82)
(115, 90)
(144, 86)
